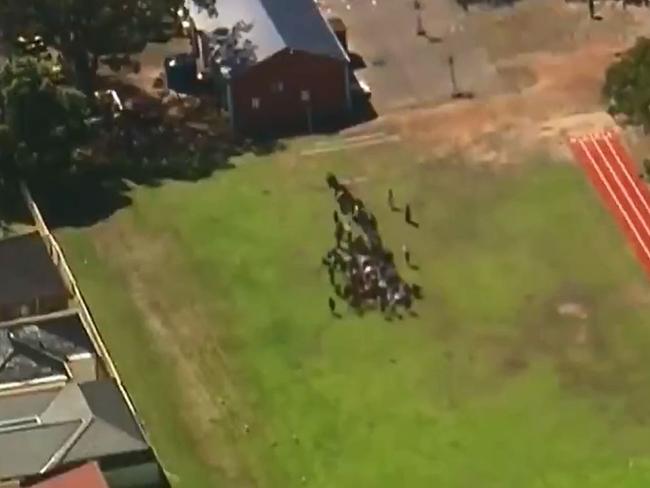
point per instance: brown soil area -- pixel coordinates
(565, 98)
(552, 86)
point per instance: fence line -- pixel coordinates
(59, 259)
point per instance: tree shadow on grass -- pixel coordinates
(92, 194)
(152, 143)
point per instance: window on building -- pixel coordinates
(277, 87)
(305, 96)
(255, 102)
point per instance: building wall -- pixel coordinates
(324, 78)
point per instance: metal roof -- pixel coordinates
(74, 423)
(274, 25)
(113, 429)
(24, 452)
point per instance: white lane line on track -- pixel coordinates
(627, 172)
(615, 199)
(621, 186)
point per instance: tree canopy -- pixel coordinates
(627, 84)
(84, 30)
(42, 119)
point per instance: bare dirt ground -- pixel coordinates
(551, 60)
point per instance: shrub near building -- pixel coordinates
(627, 85)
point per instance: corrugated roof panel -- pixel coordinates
(274, 25)
(303, 28)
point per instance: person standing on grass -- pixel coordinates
(335, 215)
(407, 214)
(407, 255)
(332, 305)
(355, 212)
(338, 233)
(372, 220)
(391, 199)
(332, 181)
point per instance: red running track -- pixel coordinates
(613, 173)
(611, 170)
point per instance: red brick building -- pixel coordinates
(282, 68)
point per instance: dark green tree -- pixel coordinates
(43, 120)
(84, 30)
(627, 84)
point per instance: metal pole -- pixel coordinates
(456, 27)
(419, 28)
(452, 75)
(309, 121)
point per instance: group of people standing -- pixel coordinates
(361, 270)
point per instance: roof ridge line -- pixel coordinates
(67, 445)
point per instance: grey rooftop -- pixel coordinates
(275, 25)
(40, 431)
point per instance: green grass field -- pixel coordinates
(213, 302)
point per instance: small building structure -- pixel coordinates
(43, 431)
(277, 63)
(62, 404)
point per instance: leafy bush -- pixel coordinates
(43, 119)
(627, 85)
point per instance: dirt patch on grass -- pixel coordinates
(573, 310)
(564, 99)
(572, 331)
(503, 39)
(184, 335)
(550, 26)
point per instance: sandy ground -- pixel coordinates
(551, 80)
(565, 99)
